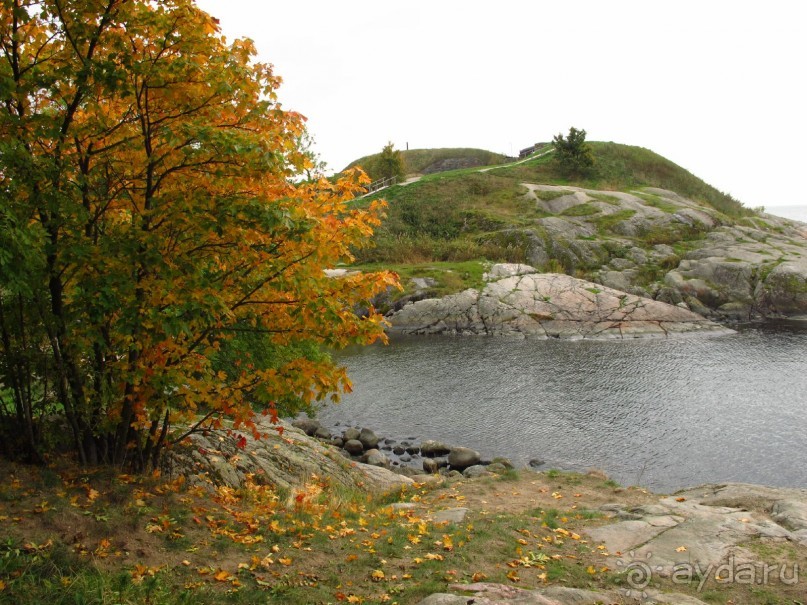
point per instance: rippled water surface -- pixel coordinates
(660, 413)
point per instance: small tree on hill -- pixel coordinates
(390, 163)
(573, 154)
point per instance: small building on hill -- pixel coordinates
(528, 151)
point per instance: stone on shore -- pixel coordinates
(430, 465)
(460, 458)
(368, 439)
(350, 434)
(353, 447)
(375, 457)
(308, 425)
(477, 470)
(431, 449)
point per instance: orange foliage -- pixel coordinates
(162, 191)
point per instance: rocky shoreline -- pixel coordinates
(702, 531)
(409, 456)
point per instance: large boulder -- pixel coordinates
(284, 460)
(375, 457)
(460, 458)
(353, 447)
(368, 439)
(548, 305)
(351, 433)
(308, 425)
(784, 291)
(432, 449)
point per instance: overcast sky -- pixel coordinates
(718, 87)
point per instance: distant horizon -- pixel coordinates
(795, 212)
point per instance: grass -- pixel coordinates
(551, 194)
(657, 201)
(465, 215)
(608, 199)
(446, 219)
(581, 210)
(450, 277)
(254, 545)
(624, 167)
(424, 160)
(606, 222)
(189, 545)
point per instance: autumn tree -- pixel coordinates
(151, 210)
(572, 154)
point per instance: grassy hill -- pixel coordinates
(425, 161)
(452, 216)
(448, 225)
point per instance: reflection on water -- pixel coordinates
(660, 413)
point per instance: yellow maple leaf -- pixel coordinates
(448, 543)
(513, 576)
(681, 549)
(377, 575)
(479, 577)
(221, 576)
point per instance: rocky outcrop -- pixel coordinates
(284, 460)
(707, 536)
(755, 266)
(518, 301)
(741, 271)
(708, 532)
(486, 593)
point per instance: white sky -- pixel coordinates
(719, 87)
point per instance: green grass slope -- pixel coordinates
(447, 221)
(451, 216)
(624, 167)
(438, 160)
